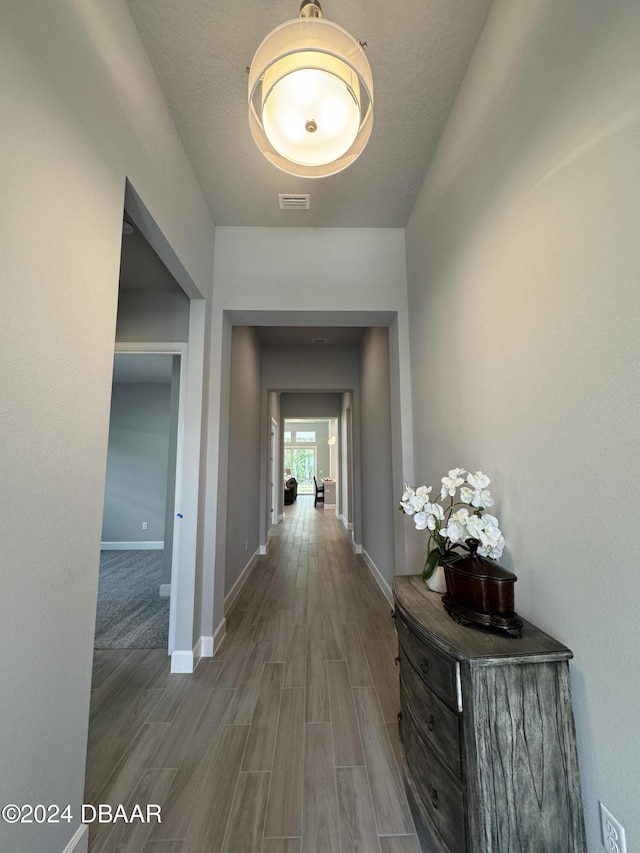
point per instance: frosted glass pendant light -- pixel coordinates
(310, 96)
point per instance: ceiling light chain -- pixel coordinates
(310, 96)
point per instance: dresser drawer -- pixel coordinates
(437, 670)
(439, 726)
(442, 800)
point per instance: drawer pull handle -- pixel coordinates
(393, 614)
(434, 798)
(424, 666)
(397, 660)
(431, 723)
(399, 716)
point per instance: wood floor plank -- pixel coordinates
(184, 724)
(400, 844)
(358, 832)
(193, 768)
(347, 746)
(380, 645)
(389, 800)
(334, 636)
(281, 636)
(281, 845)
(107, 745)
(262, 734)
(162, 847)
(116, 680)
(234, 652)
(284, 811)
(210, 809)
(105, 661)
(295, 670)
(320, 807)
(317, 698)
(246, 693)
(123, 781)
(171, 699)
(246, 821)
(132, 837)
(359, 671)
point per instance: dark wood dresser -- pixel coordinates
(488, 733)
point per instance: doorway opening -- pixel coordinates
(134, 591)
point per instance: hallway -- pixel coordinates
(286, 741)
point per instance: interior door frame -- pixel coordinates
(179, 532)
(276, 479)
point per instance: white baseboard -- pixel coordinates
(219, 634)
(357, 548)
(80, 841)
(346, 524)
(132, 546)
(378, 577)
(165, 590)
(262, 550)
(236, 589)
(281, 517)
(203, 648)
(182, 661)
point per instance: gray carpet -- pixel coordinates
(131, 614)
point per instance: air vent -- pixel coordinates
(294, 202)
(318, 340)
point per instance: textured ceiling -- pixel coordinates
(418, 50)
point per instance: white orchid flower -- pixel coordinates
(490, 520)
(421, 520)
(466, 494)
(435, 509)
(417, 503)
(482, 498)
(490, 546)
(451, 483)
(423, 491)
(407, 494)
(456, 529)
(475, 526)
(478, 480)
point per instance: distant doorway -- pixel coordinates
(301, 461)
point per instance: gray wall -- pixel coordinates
(137, 463)
(378, 499)
(245, 434)
(523, 259)
(152, 315)
(311, 405)
(85, 113)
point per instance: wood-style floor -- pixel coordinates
(286, 741)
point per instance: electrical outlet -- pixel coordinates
(613, 838)
(145, 525)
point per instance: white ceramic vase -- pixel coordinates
(437, 582)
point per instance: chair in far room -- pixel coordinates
(290, 490)
(319, 498)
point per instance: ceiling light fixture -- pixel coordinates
(310, 96)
